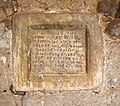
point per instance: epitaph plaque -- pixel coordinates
(56, 52)
(59, 50)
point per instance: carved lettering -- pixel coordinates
(58, 51)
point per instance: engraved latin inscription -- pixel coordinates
(57, 51)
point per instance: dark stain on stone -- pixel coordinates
(22, 93)
(96, 92)
(113, 29)
(4, 91)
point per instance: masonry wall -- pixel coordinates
(107, 94)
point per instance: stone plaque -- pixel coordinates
(56, 52)
(57, 49)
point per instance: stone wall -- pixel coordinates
(107, 94)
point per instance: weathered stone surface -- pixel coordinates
(5, 42)
(113, 29)
(73, 98)
(5, 36)
(117, 15)
(59, 5)
(1, 3)
(10, 6)
(7, 99)
(109, 7)
(115, 98)
(103, 6)
(112, 62)
(4, 74)
(18, 100)
(2, 14)
(2, 29)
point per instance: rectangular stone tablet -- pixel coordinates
(56, 52)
